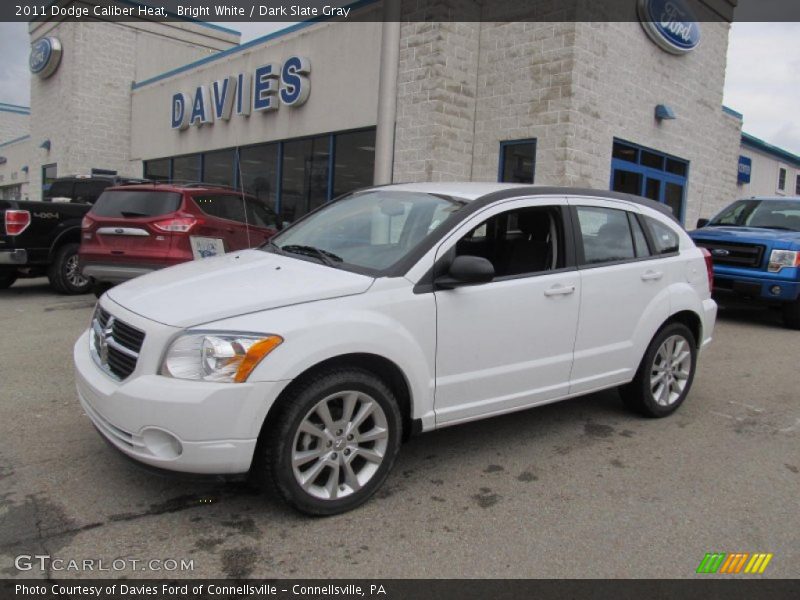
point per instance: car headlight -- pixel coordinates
(783, 258)
(219, 357)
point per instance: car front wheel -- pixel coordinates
(334, 442)
(665, 374)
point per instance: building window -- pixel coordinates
(797, 186)
(649, 173)
(157, 170)
(186, 168)
(219, 168)
(304, 185)
(258, 167)
(353, 161)
(49, 174)
(781, 179)
(517, 161)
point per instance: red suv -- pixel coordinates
(134, 229)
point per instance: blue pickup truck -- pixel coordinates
(755, 247)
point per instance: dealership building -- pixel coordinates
(324, 107)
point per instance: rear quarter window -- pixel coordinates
(136, 203)
(665, 239)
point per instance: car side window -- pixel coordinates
(639, 239)
(518, 242)
(259, 215)
(222, 206)
(606, 235)
(665, 239)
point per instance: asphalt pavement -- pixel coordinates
(576, 489)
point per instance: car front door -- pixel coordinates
(507, 344)
(625, 293)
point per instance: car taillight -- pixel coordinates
(17, 221)
(86, 223)
(176, 224)
(709, 267)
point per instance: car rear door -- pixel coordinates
(624, 297)
(507, 344)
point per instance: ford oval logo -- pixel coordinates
(45, 56)
(670, 24)
(720, 252)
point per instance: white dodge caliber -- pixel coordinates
(391, 311)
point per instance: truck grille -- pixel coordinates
(734, 254)
(114, 344)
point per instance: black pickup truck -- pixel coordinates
(42, 238)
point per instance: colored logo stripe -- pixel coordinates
(734, 563)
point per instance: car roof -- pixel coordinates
(490, 192)
(779, 198)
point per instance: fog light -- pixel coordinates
(775, 290)
(161, 444)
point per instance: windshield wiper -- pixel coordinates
(324, 256)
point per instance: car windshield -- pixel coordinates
(769, 214)
(367, 230)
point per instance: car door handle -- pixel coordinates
(652, 275)
(560, 290)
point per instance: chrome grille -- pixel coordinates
(114, 344)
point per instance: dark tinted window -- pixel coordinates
(518, 161)
(222, 206)
(218, 167)
(664, 238)
(606, 235)
(136, 203)
(259, 215)
(782, 179)
(60, 189)
(354, 161)
(305, 176)
(88, 191)
(259, 171)
(186, 168)
(157, 170)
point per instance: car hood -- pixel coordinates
(208, 290)
(746, 234)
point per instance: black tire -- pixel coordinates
(791, 314)
(640, 394)
(62, 272)
(273, 467)
(7, 278)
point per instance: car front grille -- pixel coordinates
(734, 254)
(114, 344)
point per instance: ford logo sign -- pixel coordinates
(670, 24)
(45, 56)
(720, 252)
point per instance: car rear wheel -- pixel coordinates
(791, 314)
(334, 442)
(65, 274)
(7, 278)
(665, 374)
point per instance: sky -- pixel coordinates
(762, 79)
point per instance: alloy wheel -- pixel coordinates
(670, 371)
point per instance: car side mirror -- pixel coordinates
(702, 223)
(466, 270)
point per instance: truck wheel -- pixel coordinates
(7, 278)
(333, 442)
(65, 275)
(665, 375)
(791, 314)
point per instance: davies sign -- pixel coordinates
(670, 24)
(263, 90)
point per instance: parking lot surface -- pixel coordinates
(575, 489)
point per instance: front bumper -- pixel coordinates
(172, 424)
(757, 287)
(18, 256)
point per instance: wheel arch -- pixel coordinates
(387, 370)
(71, 235)
(692, 320)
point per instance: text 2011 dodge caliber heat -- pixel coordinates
(389, 312)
